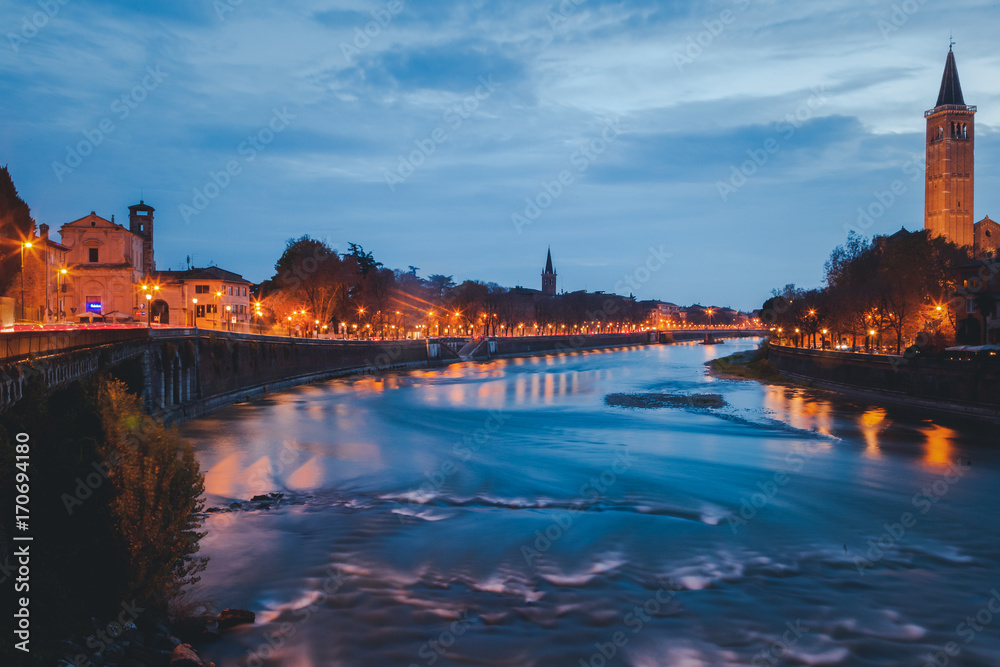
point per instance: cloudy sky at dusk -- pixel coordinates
(423, 139)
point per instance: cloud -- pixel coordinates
(692, 113)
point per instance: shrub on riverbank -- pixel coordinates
(112, 493)
(749, 364)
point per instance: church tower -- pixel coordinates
(549, 277)
(948, 194)
(140, 223)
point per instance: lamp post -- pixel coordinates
(59, 302)
(149, 299)
(25, 245)
(194, 313)
(229, 309)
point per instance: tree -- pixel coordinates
(310, 275)
(441, 287)
(366, 262)
(16, 225)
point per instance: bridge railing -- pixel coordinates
(18, 345)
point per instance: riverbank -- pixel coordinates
(771, 365)
(746, 365)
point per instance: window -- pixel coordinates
(211, 308)
(92, 254)
(200, 311)
(970, 306)
(201, 289)
(230, 290)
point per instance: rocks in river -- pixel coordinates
(184, 656)
(659, 400)
(267, 497)
(229, 618)
(128, 646)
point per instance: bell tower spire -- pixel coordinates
(549, 276)
(950, 176)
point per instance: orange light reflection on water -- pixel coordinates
(798, 410)
(938, 448)
(872, 422)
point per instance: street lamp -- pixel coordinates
(28, 245)
(229, 310)
(149, 298)
(59, 302)
(194, 314)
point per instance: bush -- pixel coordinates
(156, 490)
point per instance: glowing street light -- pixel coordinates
(27, 245)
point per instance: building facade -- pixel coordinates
(104, 264)
(950, 171)
(987, 238)
(210, 298)
(39, 291)
(105, 271)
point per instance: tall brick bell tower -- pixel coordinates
(549, 276)
(140, 223)
(950, 179)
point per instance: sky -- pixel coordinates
(693, 152)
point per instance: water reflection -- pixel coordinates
(872, 422)
(799, 410)
(938, 446)
(376, 490)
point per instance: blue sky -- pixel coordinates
(429, 139)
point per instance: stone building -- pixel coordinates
(42, 282)
(104, 271)
(104, 263)
(987, 238)
(209, 297)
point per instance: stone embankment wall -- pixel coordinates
(973, 381)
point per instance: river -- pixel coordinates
(501, 513)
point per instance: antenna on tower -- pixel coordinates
(951, 40)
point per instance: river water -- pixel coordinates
(502, 514)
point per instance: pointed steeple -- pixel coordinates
(951, 89)
(548, 263)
